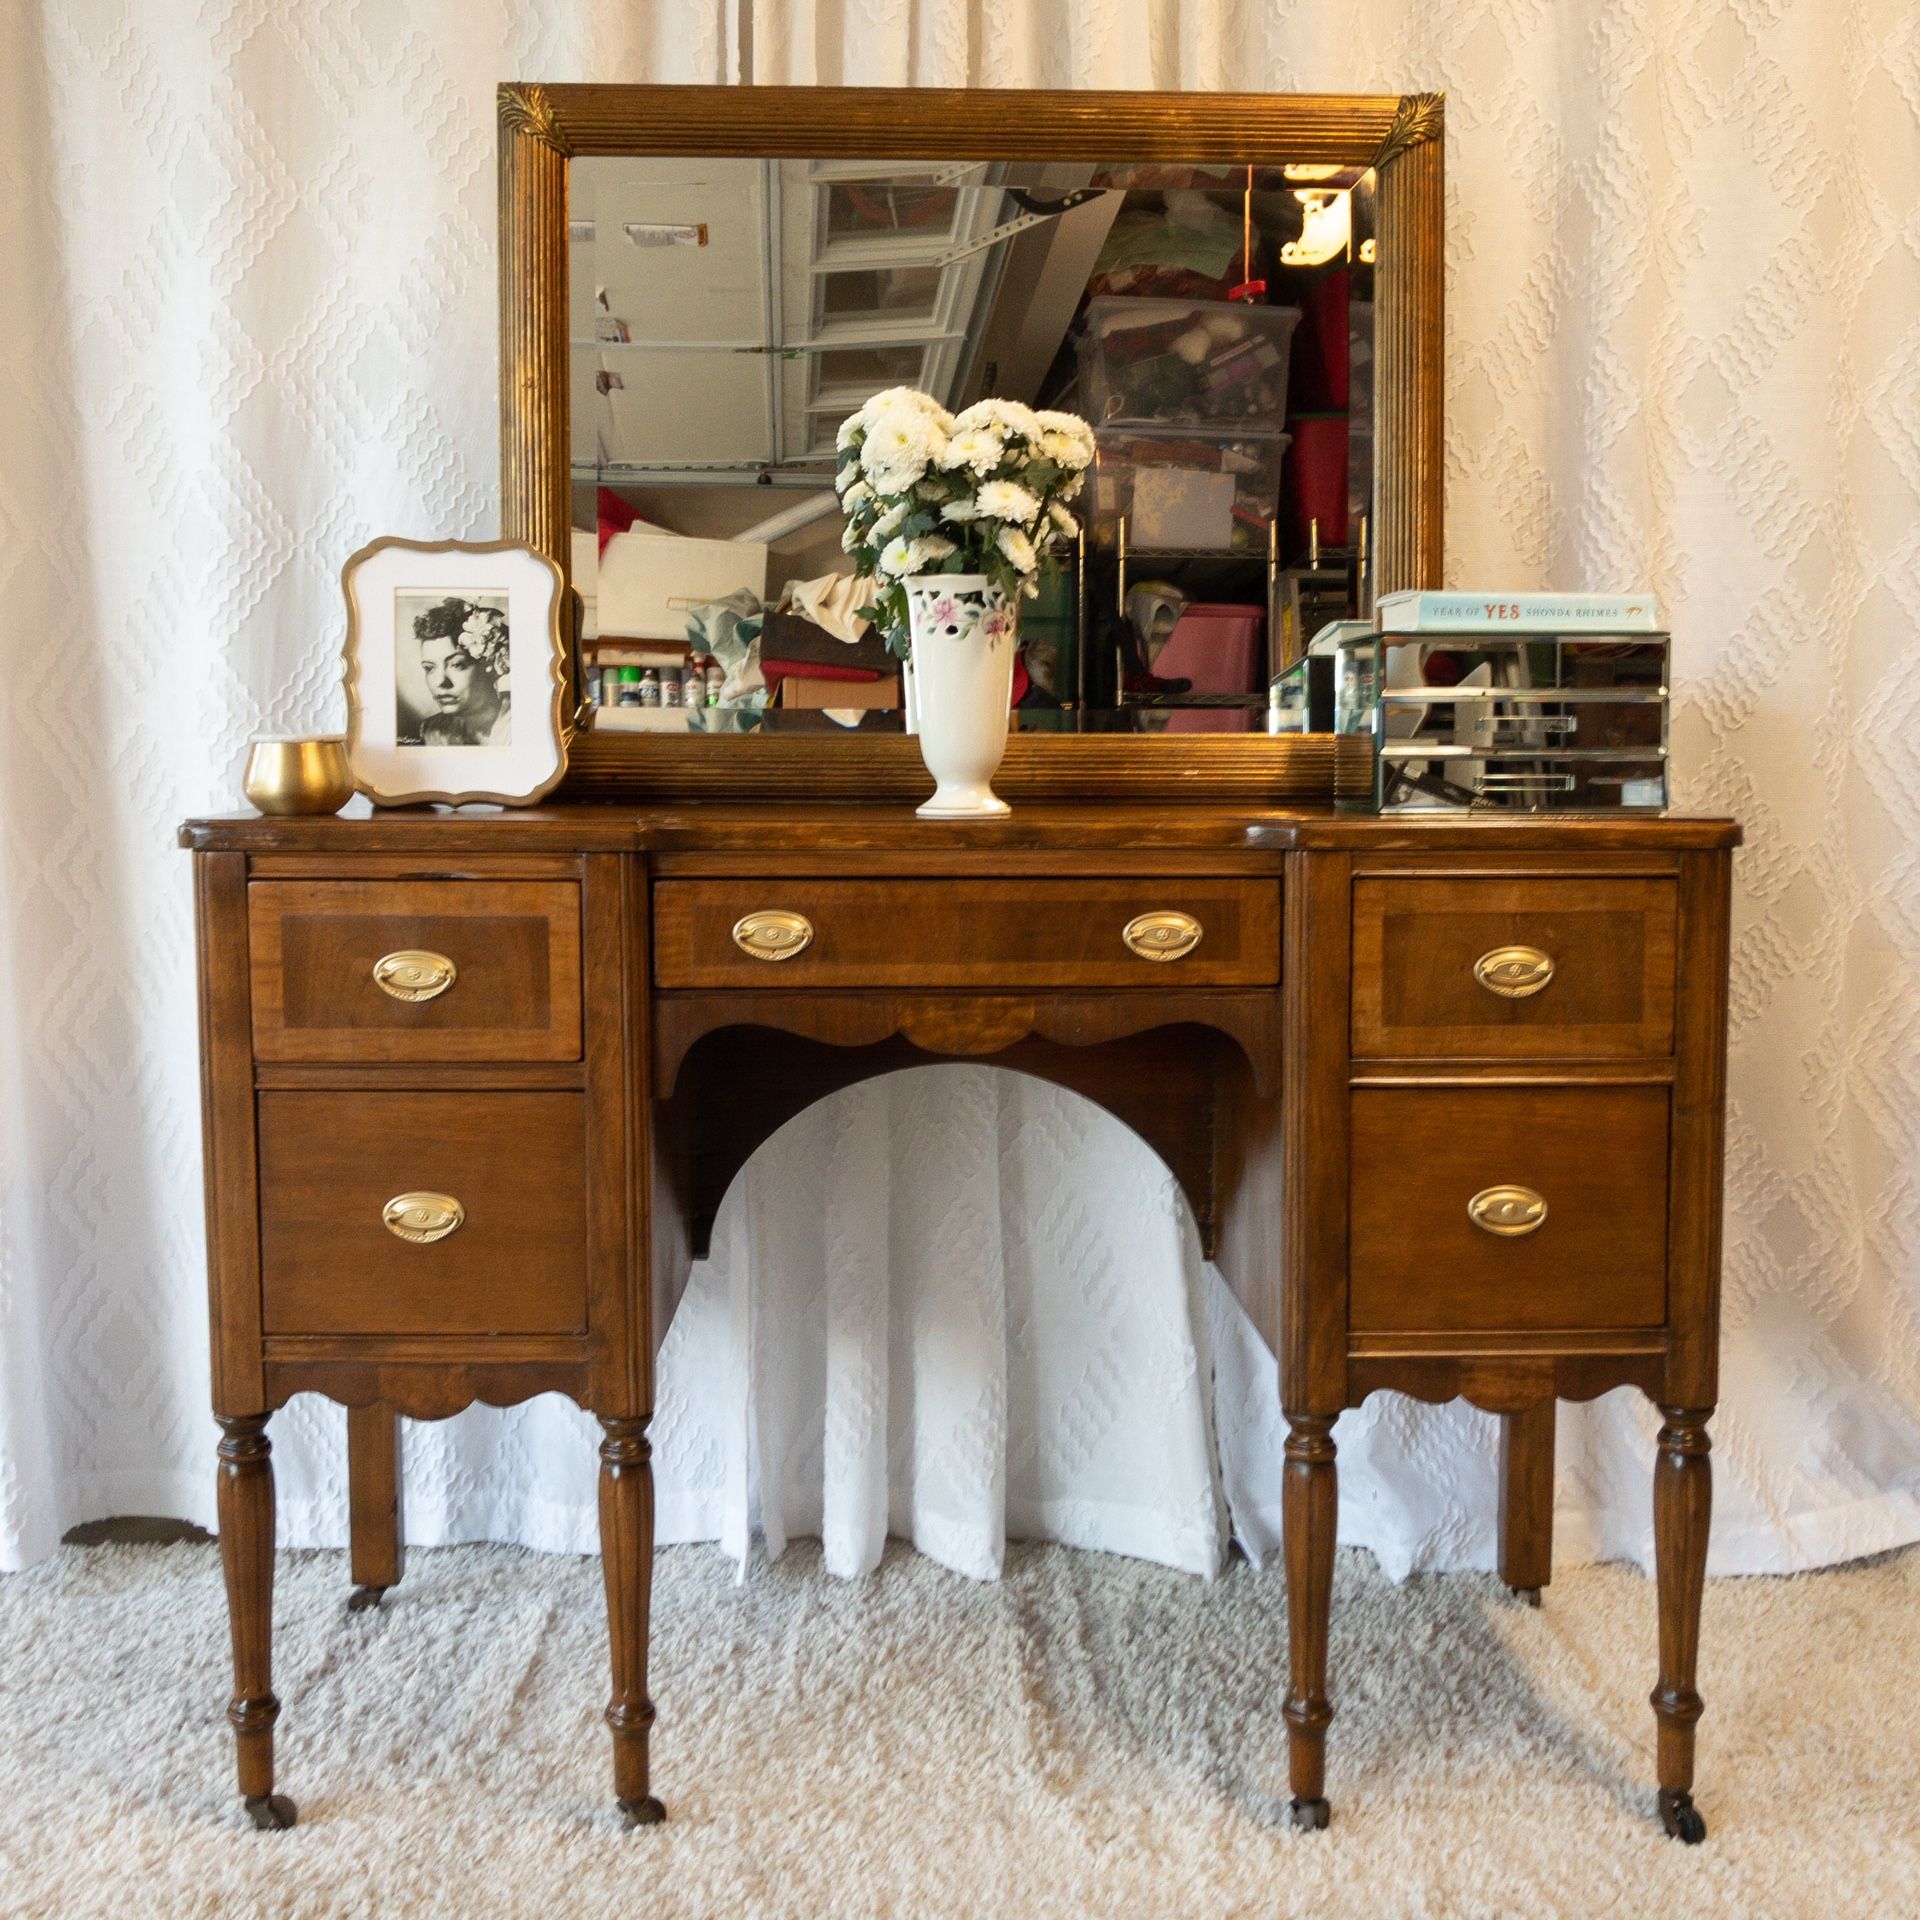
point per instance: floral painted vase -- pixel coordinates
(964, 632)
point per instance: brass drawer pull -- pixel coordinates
(414, 974)
(772, 934)
(1513, 972)
(1162, 936)
(1508, 1211)
(422, 1217)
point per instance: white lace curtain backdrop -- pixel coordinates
(247, 321)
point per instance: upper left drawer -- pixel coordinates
(376, 971)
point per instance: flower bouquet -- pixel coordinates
(953, 518)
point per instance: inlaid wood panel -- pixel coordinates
(966, 933)
(331, 1162)
(1597, 1156)
(1417, 941)
(514, 946)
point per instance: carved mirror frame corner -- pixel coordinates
(543, 128)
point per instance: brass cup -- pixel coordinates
(299, 776)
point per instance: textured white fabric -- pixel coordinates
(247, 321)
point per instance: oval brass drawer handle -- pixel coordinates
(421, 1217)
(772, 934)
(1513, 972)
(1162, 936)
(414, 974)
(1508, 1211)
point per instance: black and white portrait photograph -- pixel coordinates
(452, 669)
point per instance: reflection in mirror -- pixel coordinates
(1213, 323)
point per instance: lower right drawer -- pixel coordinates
(1484, 1209)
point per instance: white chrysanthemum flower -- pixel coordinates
(976, 450)
(897, 468)
(1063, 521)
(1071, 491)
(889, 522)
(960, 511)
(1000, 416)
(934, 546)
(1065, 439)
(891, 400)
(857, 495)
(1018, 549)
(902, 558)
(902, 443)
(1008, 500)
(852, 538)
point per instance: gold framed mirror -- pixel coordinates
(1000, 170)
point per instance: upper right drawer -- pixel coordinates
(1491, 968)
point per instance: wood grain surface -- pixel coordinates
(1415, 942)
(515, 945)
(330, 1162)
(976, 934)
(1598, 1155)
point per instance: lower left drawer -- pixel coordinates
(422, 1213)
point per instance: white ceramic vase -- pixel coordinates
(964, 640)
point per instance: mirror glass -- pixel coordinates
(1212, 323)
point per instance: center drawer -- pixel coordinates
(422, 1213)
(966, 933)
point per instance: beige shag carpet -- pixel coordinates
(1091, 1736)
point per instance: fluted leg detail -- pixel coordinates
(1310, 1504)
(1682, 1509)
(626, 1556)
(245, 1501)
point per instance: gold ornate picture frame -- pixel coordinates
(455, 667)
(542, 128)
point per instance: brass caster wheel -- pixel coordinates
(641, 1813)
(1310, 1816)
(361, 1599)
(271, 1812)
(1681, 1818)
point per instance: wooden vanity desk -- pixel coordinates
(1445, 1096)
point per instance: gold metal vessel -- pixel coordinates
(299, 776)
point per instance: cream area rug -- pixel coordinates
(1087, 1736)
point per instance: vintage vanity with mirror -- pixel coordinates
(1445, 1093)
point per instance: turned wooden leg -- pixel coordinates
(1310, 1503)
(377, 1508)
(1682, 1507)
(1526, 1500)
(626, 1556)
(246, 1553)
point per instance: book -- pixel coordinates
(1427, 611)
(802, 690)
(614, 651)
(641, 720)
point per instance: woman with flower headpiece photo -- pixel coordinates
(460, 696)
